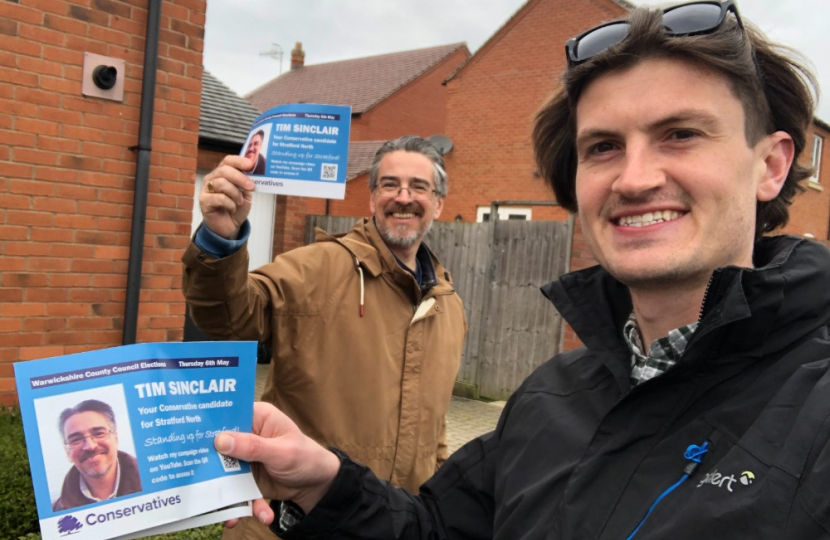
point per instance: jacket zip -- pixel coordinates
(706, 297)
(694, 454)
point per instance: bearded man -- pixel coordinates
(365, 327)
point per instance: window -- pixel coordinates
(505, 212)
(818, 144)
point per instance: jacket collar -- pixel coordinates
(364, 242)
(764, 308)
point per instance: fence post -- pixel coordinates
(489, 277)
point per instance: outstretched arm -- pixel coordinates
(337, 494)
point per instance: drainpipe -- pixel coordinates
(142, 171)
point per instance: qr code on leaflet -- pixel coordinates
(328, 171)
(229, 464)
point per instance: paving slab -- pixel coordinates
(466, 419)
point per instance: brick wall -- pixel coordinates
(810, 212)
(207, 160)
(493, 100)
(67, 185)
(418, 108)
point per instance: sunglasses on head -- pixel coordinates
(689, 19)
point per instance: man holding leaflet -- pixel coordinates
(366, 328)
(700, 404)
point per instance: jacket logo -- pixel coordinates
(717, 479)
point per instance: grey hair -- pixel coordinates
(90, 405)
(412, 143)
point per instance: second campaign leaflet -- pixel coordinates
(300, 149)
(120, 440)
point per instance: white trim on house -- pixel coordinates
(505, 213)
(818, 145)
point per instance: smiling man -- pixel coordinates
(366, 328)
(667, 189)
(403, 213)
(100, 471)
(699, 405)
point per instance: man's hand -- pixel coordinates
(298, 468)
(226, 197)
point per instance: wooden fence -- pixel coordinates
(497, 268)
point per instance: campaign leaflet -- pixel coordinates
(300, 149)
(120, 440)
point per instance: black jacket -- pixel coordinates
(578, 454)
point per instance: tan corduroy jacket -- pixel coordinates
(376, 385)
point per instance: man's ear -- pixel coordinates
(776, 157)
(439, 206)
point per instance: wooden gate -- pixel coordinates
(497, 268)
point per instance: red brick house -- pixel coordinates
(493, 99)
(390, 95)
(76, 171)
(810, 212)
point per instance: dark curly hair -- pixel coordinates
(778, 93)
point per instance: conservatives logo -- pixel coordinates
(717, 479)
(69, 525)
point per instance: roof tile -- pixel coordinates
(224, 116)
(361, 155)
(361, 82)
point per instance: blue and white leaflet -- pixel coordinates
(120, 440)
(300, 149)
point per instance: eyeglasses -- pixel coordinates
(690, 19)
(418, 191)
(76, 440)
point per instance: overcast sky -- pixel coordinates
(238, 32)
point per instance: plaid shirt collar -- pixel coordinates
(661, 355)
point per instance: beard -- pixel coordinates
(401, 239)
(403, 236)
(94, 470)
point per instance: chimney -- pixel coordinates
(297, 56)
